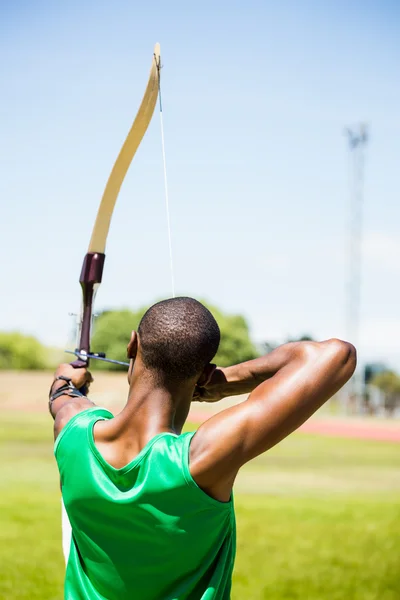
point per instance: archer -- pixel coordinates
(151, 508)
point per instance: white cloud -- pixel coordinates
(383, 250)
(380, 340)
(381, 334)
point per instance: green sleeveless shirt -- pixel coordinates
(143, 532)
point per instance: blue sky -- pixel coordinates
(256, 97)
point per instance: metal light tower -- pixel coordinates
(358, 138)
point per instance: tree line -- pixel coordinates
(111, 335)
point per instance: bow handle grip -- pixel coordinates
(80, 364)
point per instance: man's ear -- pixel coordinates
(132, 352)
(206, 375)
(132, 346)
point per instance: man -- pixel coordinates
(151, 508)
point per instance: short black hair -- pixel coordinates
(178, 338)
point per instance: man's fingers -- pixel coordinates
(77, 372)
(88, 379)
(198, 394)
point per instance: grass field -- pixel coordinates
(318, 518)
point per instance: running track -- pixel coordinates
(366, 430)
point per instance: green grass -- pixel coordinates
(318, 518)
(312, 549)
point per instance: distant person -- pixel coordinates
(151, 507)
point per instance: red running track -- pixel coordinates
(368, 430)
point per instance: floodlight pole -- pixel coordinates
(357, 138)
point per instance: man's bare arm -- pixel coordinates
(242, 378)
(65, 406)
(296, 379)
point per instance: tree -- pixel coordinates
(112, 333)
(302, 338)
(113, 327)
(236, 345)
(389, 383)
(269, 346)
(19, 351)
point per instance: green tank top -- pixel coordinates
(145, 531)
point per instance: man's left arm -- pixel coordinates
(65, 398)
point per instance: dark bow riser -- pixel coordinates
(90, 279)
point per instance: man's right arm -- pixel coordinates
(243, 378)
(289, 385)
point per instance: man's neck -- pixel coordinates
(154, 407)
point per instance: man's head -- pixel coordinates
(178, 338)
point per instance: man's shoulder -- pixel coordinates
(73, 418)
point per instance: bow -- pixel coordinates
(93, 263)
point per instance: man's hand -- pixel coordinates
(80, 377)
(67, 405)
(212, 390)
